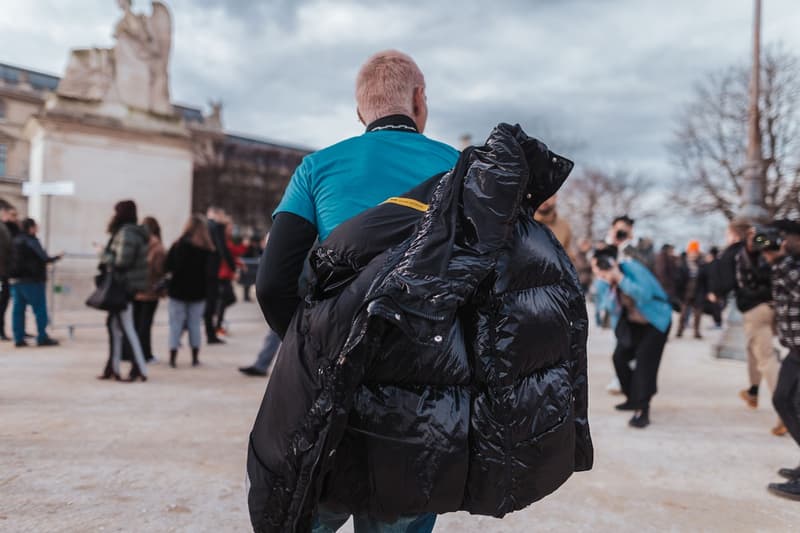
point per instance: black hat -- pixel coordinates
(787, 226)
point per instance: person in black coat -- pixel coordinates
(28, 284)
(216, 229)
(8, 230)
(691, 288)
(187, 267)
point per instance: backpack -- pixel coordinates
(14, 265)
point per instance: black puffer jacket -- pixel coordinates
(438, 364)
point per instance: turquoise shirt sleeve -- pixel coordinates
(298, 198)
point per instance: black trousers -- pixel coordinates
(143, 315)
(212, 297)
(786, 397)
(644, 344)
(5, 297)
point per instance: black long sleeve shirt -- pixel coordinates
(280, 268)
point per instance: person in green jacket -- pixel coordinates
(126, 254)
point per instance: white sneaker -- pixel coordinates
(614, 387)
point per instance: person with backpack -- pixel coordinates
(125, 256)
(28, 275)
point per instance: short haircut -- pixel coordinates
(624, 218)
(27, 224)
(385, 85)
(740, 228)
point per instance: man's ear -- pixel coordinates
(360, 118)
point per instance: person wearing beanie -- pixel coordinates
(690, 288)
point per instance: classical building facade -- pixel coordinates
(243, 174)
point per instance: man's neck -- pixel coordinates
(393, 123)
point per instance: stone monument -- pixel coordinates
(111, 129)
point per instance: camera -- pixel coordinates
(606, 257)
(767, 239)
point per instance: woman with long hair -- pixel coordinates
(187, 267)
(126, 255)
(145, 302)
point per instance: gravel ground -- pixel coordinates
(81, 455)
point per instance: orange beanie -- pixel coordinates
(693, 247)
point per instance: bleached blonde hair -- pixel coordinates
(385, 85)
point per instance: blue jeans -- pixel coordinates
(268, 350)
(329, 522)
(185, 316)
(25, 294)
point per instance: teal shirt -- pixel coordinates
(339, 182)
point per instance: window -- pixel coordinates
(3, 154)
(2, 110)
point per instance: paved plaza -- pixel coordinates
(77, 454)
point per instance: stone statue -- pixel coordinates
(134, 72)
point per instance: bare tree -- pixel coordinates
(709, 145)
(592, 198)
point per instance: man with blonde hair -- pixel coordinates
(331, 186)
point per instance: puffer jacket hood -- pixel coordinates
(439, 360)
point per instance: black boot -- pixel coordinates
(173, 354)
(789, 490)
(790, 473)
(641, 419)
(195, 354)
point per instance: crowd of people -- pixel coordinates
(636, 293)
(196, 275)
(469, 314)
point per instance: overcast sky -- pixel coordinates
(610, 74)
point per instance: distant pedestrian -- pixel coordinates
(6, 249)
(547, 214)
(187, 267)
(754, 298)
(126, 256)
(145, 302)
(583, 264)
(691, 288)
(666, 271)
(712, 303)
(272, 342)
(216, 229)
(255, 247)
(226, 276)
(28, 284)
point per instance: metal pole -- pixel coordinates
(754, 186)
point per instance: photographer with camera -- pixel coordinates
(780, 245)
(641, 316)
(754, 299)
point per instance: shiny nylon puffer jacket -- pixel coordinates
(439, 361)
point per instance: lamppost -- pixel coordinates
(753, 209)
(754, 186)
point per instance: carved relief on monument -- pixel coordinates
(134, 72)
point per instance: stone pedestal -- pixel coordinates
(110, 154)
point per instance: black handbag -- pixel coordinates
(110, 293)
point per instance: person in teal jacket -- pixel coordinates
(641, 316)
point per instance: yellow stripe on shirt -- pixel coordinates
(407, 202)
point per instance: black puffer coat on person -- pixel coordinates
(438, 362)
